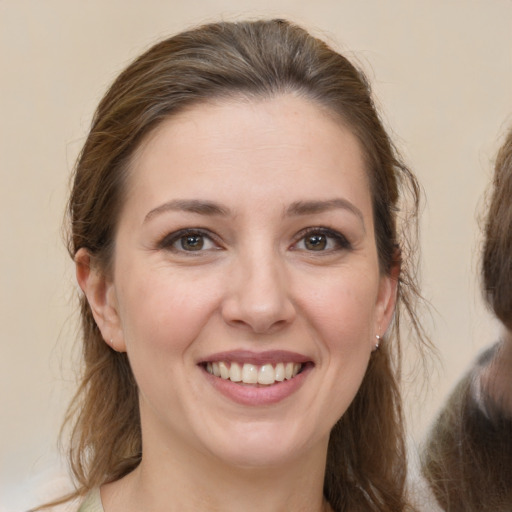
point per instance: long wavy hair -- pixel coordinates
(366, 462)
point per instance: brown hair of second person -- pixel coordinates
(497, 251)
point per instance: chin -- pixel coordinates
(257, 446)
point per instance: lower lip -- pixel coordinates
(247, 394)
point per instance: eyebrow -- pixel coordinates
(188, 205)
(297, 208)
(313, 207)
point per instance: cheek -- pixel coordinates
(340, 314)
(164, 312)
(343, 309)
(162, 317)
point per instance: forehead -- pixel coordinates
(239, 147)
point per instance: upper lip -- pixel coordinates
(256, 358)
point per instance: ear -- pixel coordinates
(101, 296)
(386, 300)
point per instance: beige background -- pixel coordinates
(442, 72)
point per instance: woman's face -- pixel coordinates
(246, 286)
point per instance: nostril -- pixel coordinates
(260, 318)
(260, 325)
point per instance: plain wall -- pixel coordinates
(442, 75)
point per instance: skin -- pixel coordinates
(256, 286)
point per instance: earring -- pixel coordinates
(378, 342)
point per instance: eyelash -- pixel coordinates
(340, 241)
(170, 240)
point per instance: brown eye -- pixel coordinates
(189, 240)
(192, 242)
(316, 242)
(321, 240)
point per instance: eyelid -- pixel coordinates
(168, 241)
(340, 239)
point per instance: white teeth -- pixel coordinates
(224, 370)
(266, 375)
(248, 373)
(279, 372)
(235, 373)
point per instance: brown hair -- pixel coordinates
(497, 252)
(468, 450)
(366, 466)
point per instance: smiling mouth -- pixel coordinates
(247, 373)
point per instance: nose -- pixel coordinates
(258, 296)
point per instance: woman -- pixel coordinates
(234, 228)
(468, 457)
